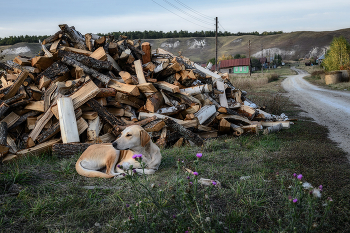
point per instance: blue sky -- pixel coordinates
(37, 17)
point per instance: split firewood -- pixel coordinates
(68, 124)
(68, 150)
(4, 149)
(74, 36)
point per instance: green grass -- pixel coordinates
(54, 198)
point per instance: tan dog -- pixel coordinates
(133, 140)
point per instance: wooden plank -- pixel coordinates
(147, 88)
(139, 72)
(90, 115)
(11, 119)
(36, 106)
(14, 88)
(99, 54)
(68, 124)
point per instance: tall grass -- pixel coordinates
(254, 81)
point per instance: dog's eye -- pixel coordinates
(128, 135)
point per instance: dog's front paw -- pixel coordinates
(119, 176)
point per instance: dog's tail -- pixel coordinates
(90, 173)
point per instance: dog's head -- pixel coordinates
(132, 137)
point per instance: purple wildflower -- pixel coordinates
(329, 199)
(123, 174)
(174, 216)
(134, 170)
(300, 176)
(139, 156)
(127, 205)
(188, 177)
(119, 166)
(191, 183)
(295, 175)
(320, 187)
(199, 155)
(195, 173)
(290, 198)
(295, 200)
(213, 182)
(134, 156)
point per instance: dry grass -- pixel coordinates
(246, 82)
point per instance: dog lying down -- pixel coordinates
(133, 140)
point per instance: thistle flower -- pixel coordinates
(214, 183)
(188, 177)
(135, 156)
(199, 155)
(195, 173)
(329, 199)
(295, 175)
(307, 185)
(300, 176)
(119, 166)
(134, 170)
(316, 193)
(295, 200)
(174, 216)
(191, 183)
(127, 205)
(320, 187)
(290, 198)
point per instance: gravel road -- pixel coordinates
(327, 107)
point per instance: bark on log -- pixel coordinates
(104, 114)
(140, 123)
(20, 103)
(52, 38)
(187, 134)
(55, 71)
(86, 60)
(14, 99)
(14, 87)
(68, 150)
(172, 69)
(3, 108)
(103, 78)
(4, 149)
(49, 133)
(106, 92)
(73, 35)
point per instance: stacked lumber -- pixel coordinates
(84, 89)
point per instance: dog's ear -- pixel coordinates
(145, 138)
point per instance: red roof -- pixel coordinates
(233, 63)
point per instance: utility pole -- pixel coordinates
(250, 67)
(262, 58)
(216, 43)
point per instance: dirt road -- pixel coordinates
(327, 107)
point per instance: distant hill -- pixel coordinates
(294, 45)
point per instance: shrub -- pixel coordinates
(273, 77)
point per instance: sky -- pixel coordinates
(38, 17)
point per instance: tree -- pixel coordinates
(225, 57)
(337, 57)
(255, 63)
(212, 61)
(237, 56)
(277, 60)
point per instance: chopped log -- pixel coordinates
(197, 89)
(88, 43)
(102, 101)
(11, 77)
(187, 134)
(103, 78)
(54, 46)
(82, 125)
(154, 126)
(116, 111)
(251, 129)
(68, 124)
(12, 144)
(247, 111)
(52, 38)
(113, 48)
(44, 82)
(139, 72)
(128, 79)
(36, 106)
(38, 149)
(107, 138)
(3, 108)
(22, 61)
(14, 99)
(171, 110)
(46, 51)
(209, 134)
(115, 65)
(74, 36)
(99, 54)
(167, 86)
(172, 69)
(154, 102)
(48, 94)
(140, 123)
(88, 61)
(90, 115)
(79, 51)
(14, 88)
(236, 118)
(103, 113)
(68, 150)
(94, 128)
(23, 118)
(147, 88)
(146, 48)
(125, 88)
(161, 142)
(4, 149)
(11, 119)
(100, 42)
(224, 126)
(285, 124)
(56, 72)
(179, 143)
(40, 125)
(49, 133)
(205, 113)
(274, 128)
(18, 69)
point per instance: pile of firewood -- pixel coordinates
(86, 89)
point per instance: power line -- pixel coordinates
(180, 16)
(206, 22)
(222, 27)
(198, 13)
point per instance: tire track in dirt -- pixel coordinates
(327, 107)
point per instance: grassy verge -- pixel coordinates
(255, 172)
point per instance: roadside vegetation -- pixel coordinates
(261, 179)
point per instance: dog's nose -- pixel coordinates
(115, 144)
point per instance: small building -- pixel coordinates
(264, 63)
(320, 59)
(236, 66)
